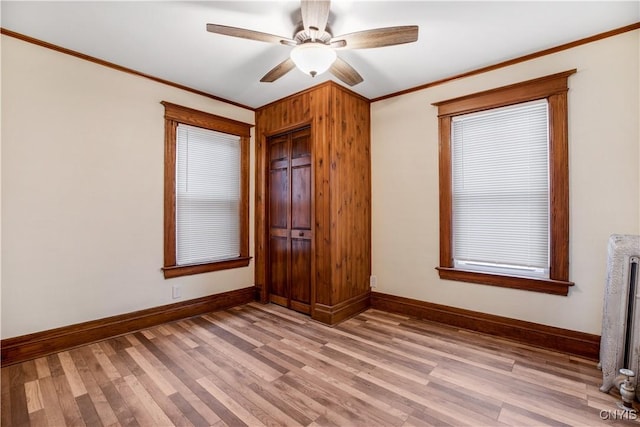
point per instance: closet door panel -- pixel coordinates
(279, 198)
(301, 196)
(279, 255)
(301, 269)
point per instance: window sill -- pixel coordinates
(547, 286)
(186, 270)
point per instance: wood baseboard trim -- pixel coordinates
(26, 347)
(548, 337)
(334, 314)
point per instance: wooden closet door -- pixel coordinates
(301, 220)
(290, 234)
(279, 209)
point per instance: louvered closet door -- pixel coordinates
(290, 220)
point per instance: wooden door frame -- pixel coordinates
(262, 206)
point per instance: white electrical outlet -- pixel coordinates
(373, 281)
(176, 292)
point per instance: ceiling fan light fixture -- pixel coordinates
(313, 58)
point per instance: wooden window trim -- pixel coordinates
(175, 114)
(553, 88)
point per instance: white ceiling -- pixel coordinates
(169, 40)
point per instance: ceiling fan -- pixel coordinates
(314, 47)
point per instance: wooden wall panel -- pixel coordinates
(351, 196)
(322, 256)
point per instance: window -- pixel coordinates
(500, 190)
(206, 192)
(504, 199)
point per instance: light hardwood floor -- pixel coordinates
(264, 365)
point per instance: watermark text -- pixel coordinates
(618, 414)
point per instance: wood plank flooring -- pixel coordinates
(260, 365)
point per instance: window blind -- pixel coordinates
(500, 168)
(207, 195)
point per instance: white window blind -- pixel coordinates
(500, 168)
(207, 195)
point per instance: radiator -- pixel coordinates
(620, 339)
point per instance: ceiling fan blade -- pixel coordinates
(315, 14)
(345, 72)
(378, 37)
(278, 71)
(248, 34)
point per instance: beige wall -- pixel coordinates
(82, 176)
(604, 160)
(82, 192)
